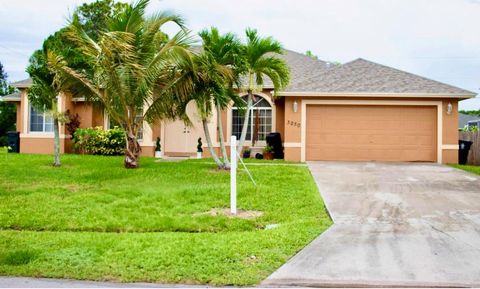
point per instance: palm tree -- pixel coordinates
(43, 95)
(261, 60)
(137, 73)
(219, 67)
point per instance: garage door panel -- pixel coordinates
(383, 133)
(357, 139)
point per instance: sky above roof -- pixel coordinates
(438, 39)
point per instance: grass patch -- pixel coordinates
(471, 169)
(92, 219)
(19, 257)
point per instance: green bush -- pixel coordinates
(97, 141)
(470, 129)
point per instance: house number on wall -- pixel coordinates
(293, 123)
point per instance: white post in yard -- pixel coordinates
(233, 175)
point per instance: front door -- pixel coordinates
(181, 140)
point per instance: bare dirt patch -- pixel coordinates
(242, 214)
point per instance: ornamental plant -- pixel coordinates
(199, 145)
(97, 141)
(158, 146)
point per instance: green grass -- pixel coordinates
(472, 169)
(92, 219)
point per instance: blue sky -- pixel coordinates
(438, 39)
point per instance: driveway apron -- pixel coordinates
(395, 224)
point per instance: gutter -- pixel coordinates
(378, 94)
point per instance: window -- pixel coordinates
(138, 117)
(40, 121)
(260, 119)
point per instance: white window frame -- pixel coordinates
(44, 115)
(253, 109)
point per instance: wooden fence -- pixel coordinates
(474, 154)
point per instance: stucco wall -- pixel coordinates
(280, 117)
(450, 133)
(18, 122)
(287, 122)
(39, 145)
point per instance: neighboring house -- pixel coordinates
(463, 119)
(358, 111)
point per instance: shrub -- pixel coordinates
(470, 129)
(73, 122)
(97, 141)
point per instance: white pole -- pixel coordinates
(233, 175)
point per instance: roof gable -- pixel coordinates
(25, 83)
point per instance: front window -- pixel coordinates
(138, 118)
(40, 121)
(260, 120)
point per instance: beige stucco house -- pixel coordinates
(358, 111)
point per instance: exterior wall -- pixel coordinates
(292, 125)
(148, 151)
(448, 147)
(450, 156)
(43, 145)
(18, 123)
(450, 133)
(225, 125)
(292, 154)
(23, 112)
(286, 121)
(98, 117)
(279, 125)
(85, 114)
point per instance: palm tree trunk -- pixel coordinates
(132, 151)
(222, 141)
(210, 145)
(245, 123)
(56, 143)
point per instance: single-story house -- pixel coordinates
(463, 119)
(357, 111)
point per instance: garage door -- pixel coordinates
(371, 133)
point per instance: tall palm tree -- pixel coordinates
(261, 60)
(43, 95)
(138, 73)
(219, 68)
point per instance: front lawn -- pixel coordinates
(472, 169)
(93, 219)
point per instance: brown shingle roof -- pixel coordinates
(363, 76)
(26, 83)
(11, 97)
(302, 68)
(358, 76)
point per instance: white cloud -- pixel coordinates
(438, 39)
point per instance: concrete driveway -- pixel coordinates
(395, 224)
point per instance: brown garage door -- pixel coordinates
(378, 133)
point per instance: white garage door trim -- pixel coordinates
(303, 122)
